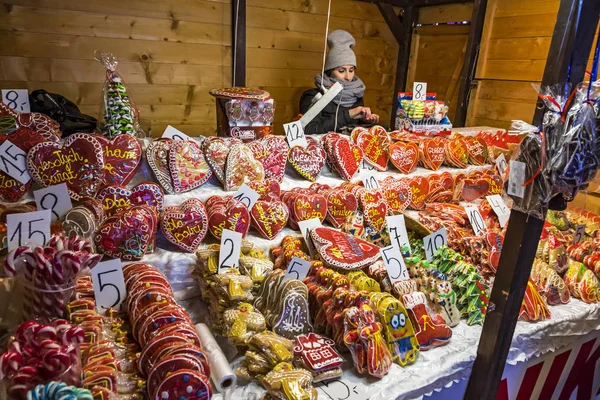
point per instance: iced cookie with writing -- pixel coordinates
(419, 188)
(122, 157)
(309, 206)
(185, 225)
(269, 217)
(188, 166)
(126, 235)
(456, 153)
(477, 150)
(399, 333)
(115, 198)
(432, 153)
(78, 162)
(374, 208)
(242, 167)
(430, 328)
(341, 206)
(341, 250)
(346, 158)
(374, 143)
(319, 355)
(398, 196)
(184, 384)
(265, 188)
(404, 156)
(471, 189)
(308, 161)
(234, 216)
(294, 319)
(272, 152)
(157, 155)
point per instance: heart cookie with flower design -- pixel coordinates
(157, 155)
(188, 166)
(272, 152)
(242, 167)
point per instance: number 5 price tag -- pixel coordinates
(297, 269)
(434, 241)
(579, 233)
(394, 264)
(109, 285)
(54, 198)
(12, 162)
(16, 99)
(28, 228)
(229, 253)
(247, 196)
(295, 134)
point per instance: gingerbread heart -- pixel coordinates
(188, 166)
(309, 206)
(404, 156)
(216, 150)
(157, 155)
(272, 152)
(266, 188)
(341, 205)
(419, 188)
(269, 217)
(456, 153)
(374, 143)
(346, 158)
(40, 123)
(242, 167)
(446, 181)
(115, 198)
(78, 162)
(374, 208)
(308, 161)
(127, 235)
(398, 196)
(472, 189)
(341, 250)
(122, 157)
(185, 225)
(233, 216)
(432, 153)
(477, 150)
(495, 182)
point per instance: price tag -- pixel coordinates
(247, 196)
(297, 269)
(229, 253)
(370, 182)
(500, 208)
(434, 241)
(109, 285)
(294, 134)
(501, 164)
(340, 390)
(365, 166)
(175, 134)
(579, 233)
(516, 179)
(475, 219)
(305, 228)
(397, 229)
(420, 91)
(394, 264)
(16, 99)
(13, 162)
(28, 228)
(54, 198)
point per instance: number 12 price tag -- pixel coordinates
(54, 198)
(297, 269)
(28, 228)
(435, 241)
(247, 196)
(394, 264)
(295, 134)
(475, 219)
(109, 285)
(229, 253)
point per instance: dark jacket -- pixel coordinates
(325, 121)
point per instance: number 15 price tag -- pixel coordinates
(229, 253)
(295, 134)
(109, 285)
(28, 228)
(434, 241)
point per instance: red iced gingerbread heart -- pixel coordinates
(40, 123)
(456, 152)
(127, 235)
(121, 158)
(432, 153)
(346, 158)
(269, 217)
(356, 131)
(242, 167)
(398, 196)
(234, 216)
(185, 225)
(188, 167)
(374, 208)
(374, 143)
(268, 187)
(157, 155)
(341, 205)
(216, 150)
(473, 189)
(309, 206)
(495, 182)
(447, 181)
(115, 198)
(477, 150)
(342, 250)
(78, 162)
(404, 156)
(272, 152)
(309, 161)
(419, 188)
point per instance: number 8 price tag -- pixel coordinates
(229, 253)
(28, 228)
(434, 241)
(394, 264)
(297, 269)
(109, 285)
(295, 134)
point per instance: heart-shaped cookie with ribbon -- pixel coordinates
(374, 208)
(374, 143)
(233, 216)
(308, 161)
(121, 158)
(115, 198)
(272, 152)
(242, 167)
(269, 217)
(419, 188)
(477, 150)
(188, 166)
(404, 156)
(341, 250)
(346, 158)
(432, 153)
(78, 162)
(185, 225)
(398, 196)
(341, 205)
(157, 155)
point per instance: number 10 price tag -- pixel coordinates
(28, 228)
(247, 196)
(295, 134)
(435, 241)
(229, 252)
(109, 285)
(475, 219)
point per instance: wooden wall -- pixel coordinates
(172, 52)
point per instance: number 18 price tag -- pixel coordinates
(295, 134)
(229, 253)
(109, 285)
(297, 269)
(434, 241)
(28, 228)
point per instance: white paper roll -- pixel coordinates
(222, 375)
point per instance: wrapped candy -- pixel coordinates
(289, 383)
(58, 391)
(549, 283)
(431, 330)
(242, 322)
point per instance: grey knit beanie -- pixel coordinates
(340, 51)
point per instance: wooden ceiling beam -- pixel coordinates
(415, 3)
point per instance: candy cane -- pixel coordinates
(10, 362)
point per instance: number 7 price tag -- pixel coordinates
(28, 228)
(295, 134)
(394, 264)
(397, 229)
(434, 241)
(297, 269)
(109, 285)
(229, 253)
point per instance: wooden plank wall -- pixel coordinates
(172, 52)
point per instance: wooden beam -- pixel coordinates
(392, 20)
(471, 55)
(415, 3)
(238, 42)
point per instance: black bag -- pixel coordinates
(63, 111)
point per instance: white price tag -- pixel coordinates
(247, 196)
(397, 230)
(340, 390)
(579, 233)
(434, 241)
(500, 208)
(419, 91)
(175, 134)
(394, 264)
(16, 99)
(294, 134)
(475, 219)
(516, 179)
(54, 198)
(370, 182)
(28, 228)
(231, 247)
(13, 162)
(305, 228)
(109, 285)
(297, 269)
(501, 164)
(365, 166)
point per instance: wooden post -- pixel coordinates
(471, 55)
(402, 30)
(238, 42)
(569, 51)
